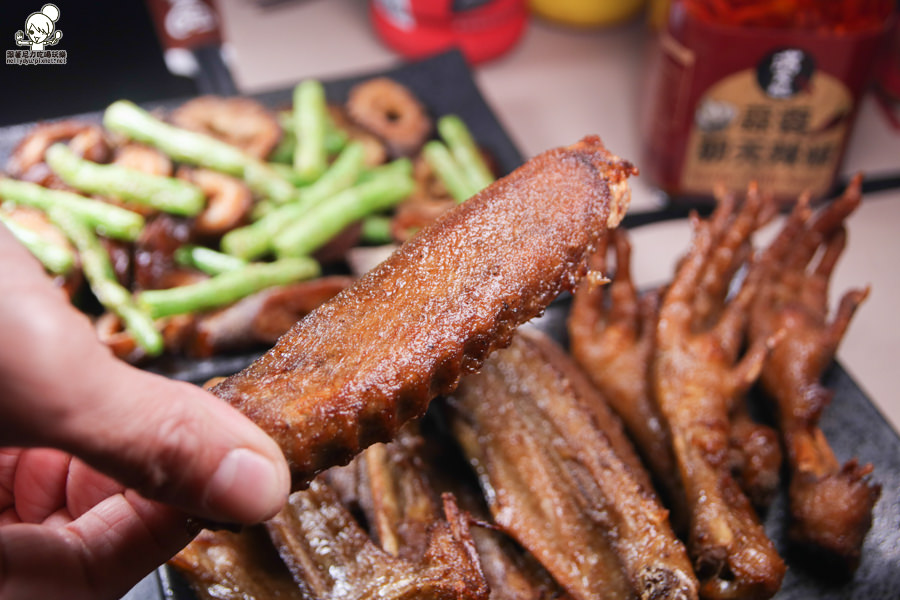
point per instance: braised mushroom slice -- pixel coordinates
(27, 159)
(389, 110)
(228, 200)
(241, 122)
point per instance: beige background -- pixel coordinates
(558, 85)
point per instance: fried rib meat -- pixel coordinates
(553, 481)
(325, 555)
(332, 558)
(388, 484)
(222, 565)
(396, 487)
(353, 371)
(698, 379)
(831, 505)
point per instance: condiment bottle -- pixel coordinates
(756, 90)
(482, 29)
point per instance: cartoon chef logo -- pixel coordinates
(40, 29)
(39, 35)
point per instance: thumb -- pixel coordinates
(171, 441)
(177, 443)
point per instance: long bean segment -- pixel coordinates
(255, 240)
(343, 172)
(325, 220)
(99, 272)
(376, 229)
(441, 161)
(194, 148)
(109, 220)
(167, 194)
(335, 138)
(56, 258)
(266, 182)
(207, 260)
(227, 287)
(310, 117)
(465, 151)
(458, 163)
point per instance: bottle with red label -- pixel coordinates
(756, 90)
(481, 29)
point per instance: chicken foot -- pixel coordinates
(697, 377)
(831, 505)
(613, 341)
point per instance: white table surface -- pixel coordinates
(558, 85)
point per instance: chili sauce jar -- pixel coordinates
(755, 90)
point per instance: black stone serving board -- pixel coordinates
(852, 423)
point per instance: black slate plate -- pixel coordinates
(852, 423)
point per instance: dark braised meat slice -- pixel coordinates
(154, 253)
(389, 110)
(143, 158)
(356, 369)
(262, 317)
(332, 558)
(698, 377)
(831, 505)
(554, 482)
(228, 201)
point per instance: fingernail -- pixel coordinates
(246, 488)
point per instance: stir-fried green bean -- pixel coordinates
(465, 151)
(335, 139)
(376, 229)
(99, 272)
(448, 170)
(109, 220)
(227, 287)
(325, 220)
(255, 239)
(310, 125)
(167, 194)
(56, 258)
(194, 148)
(207, 260)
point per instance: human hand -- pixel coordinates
(135, 456)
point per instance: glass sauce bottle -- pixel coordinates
(755, 90)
